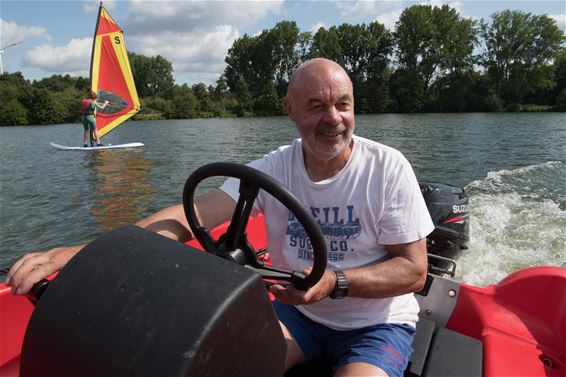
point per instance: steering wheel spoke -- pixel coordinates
(235, 234)
(278, 274)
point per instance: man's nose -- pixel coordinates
(332, 115)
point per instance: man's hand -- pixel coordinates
(288, 294)
(33, 267)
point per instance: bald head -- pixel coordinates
(320, 101)
(315, 72)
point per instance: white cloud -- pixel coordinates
(193, 35)
(186, 16)
(69, 59)
(388, 19)
(560, 20)
(198, 52)
(458, 5)
(351, 10)
(317, 26)
(92, 6)
(11, 32)
(386, 12)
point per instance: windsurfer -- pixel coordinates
(365, 189)
(89, 121)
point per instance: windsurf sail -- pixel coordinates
(111, 75)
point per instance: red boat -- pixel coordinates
(135, 303)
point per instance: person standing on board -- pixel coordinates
(363, 306)
(89, 121)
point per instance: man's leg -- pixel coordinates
(294, 354)
(303, 342)
(378, 350)
(360, 369)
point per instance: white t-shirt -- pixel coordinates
(375, 200)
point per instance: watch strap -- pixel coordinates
(341, 288)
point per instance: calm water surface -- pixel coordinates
(512, 165)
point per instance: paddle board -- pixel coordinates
(106, 146)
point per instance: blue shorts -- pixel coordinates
(387, 346)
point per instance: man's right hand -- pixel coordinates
(33, 267)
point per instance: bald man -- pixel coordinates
(361, 315)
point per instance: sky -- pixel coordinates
(56, 36)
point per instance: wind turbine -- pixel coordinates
(2, 51)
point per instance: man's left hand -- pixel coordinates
(288, 294)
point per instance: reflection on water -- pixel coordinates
(121, 184)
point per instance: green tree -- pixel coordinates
(46, 109)
(14, 91)
(244, 99)
(371, 45)
(256, 66)
(559, 90)
(239, 73)
(326, 44)
(207, 107)
(159, 107)
(153, 75)
(519, 48)
(431, 43)
(12, 112)
(184, 103)
(222, 96)
(269, 102)
(286, 45)
(407, 90)
(304, 45)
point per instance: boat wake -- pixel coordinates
(517, 220)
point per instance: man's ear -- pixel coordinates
(288, 107)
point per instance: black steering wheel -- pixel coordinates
(233, 245)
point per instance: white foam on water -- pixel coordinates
(517, 220)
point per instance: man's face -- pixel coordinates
(321, 104)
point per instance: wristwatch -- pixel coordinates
(341, 288)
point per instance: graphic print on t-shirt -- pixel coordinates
(338, 226)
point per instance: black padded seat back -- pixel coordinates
(135, 303)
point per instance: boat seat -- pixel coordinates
(421, 346)
(442, 352)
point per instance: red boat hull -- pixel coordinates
(521, 321)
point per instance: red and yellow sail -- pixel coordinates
(111, 76)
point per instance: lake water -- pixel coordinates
(513, 166)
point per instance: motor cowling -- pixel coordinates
(448, 208)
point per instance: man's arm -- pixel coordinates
(212, 209)
(99, 105)
(404, 272)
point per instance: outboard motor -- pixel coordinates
(448, 207)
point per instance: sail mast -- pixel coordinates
(93, 47)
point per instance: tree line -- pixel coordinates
(433, 61)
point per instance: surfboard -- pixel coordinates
(106, 146)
